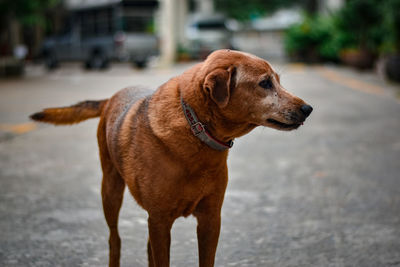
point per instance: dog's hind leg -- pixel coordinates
(112, 192)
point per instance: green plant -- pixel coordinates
(361, 22)
(314, 36)
(391, 27)
(367, 25)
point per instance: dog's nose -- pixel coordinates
(306, 109)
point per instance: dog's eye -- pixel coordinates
(266, 84)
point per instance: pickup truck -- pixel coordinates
(98, 35)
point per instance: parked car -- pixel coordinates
(96, 35)
(206, 33)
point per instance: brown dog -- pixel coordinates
(171, 148)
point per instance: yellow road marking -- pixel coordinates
(350, 82)
(319, 174)
(296, 67)
(18, 128)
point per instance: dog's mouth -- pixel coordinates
(285, 126)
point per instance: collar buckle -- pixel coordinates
(197, 128)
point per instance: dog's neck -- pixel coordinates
(166, 123)
(209, 114)
(200, 130)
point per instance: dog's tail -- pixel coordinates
(73, 114)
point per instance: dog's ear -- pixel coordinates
(219, 84)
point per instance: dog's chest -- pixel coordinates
(186, 207)
(192, 192)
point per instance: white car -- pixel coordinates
(206, 33)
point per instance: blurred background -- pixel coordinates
(360, 33)
(327, 194)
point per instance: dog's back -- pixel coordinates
(114, 114)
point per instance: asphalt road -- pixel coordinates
(327, 194)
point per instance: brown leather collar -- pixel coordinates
(199, 130)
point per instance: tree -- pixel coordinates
(249, 9)
(17, 13)
(26, 12)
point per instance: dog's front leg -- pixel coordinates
(208, 215)
(159, 240)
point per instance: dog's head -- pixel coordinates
(246, 89)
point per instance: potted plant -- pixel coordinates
(358, 20)
(391, 44)
(183, 54)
